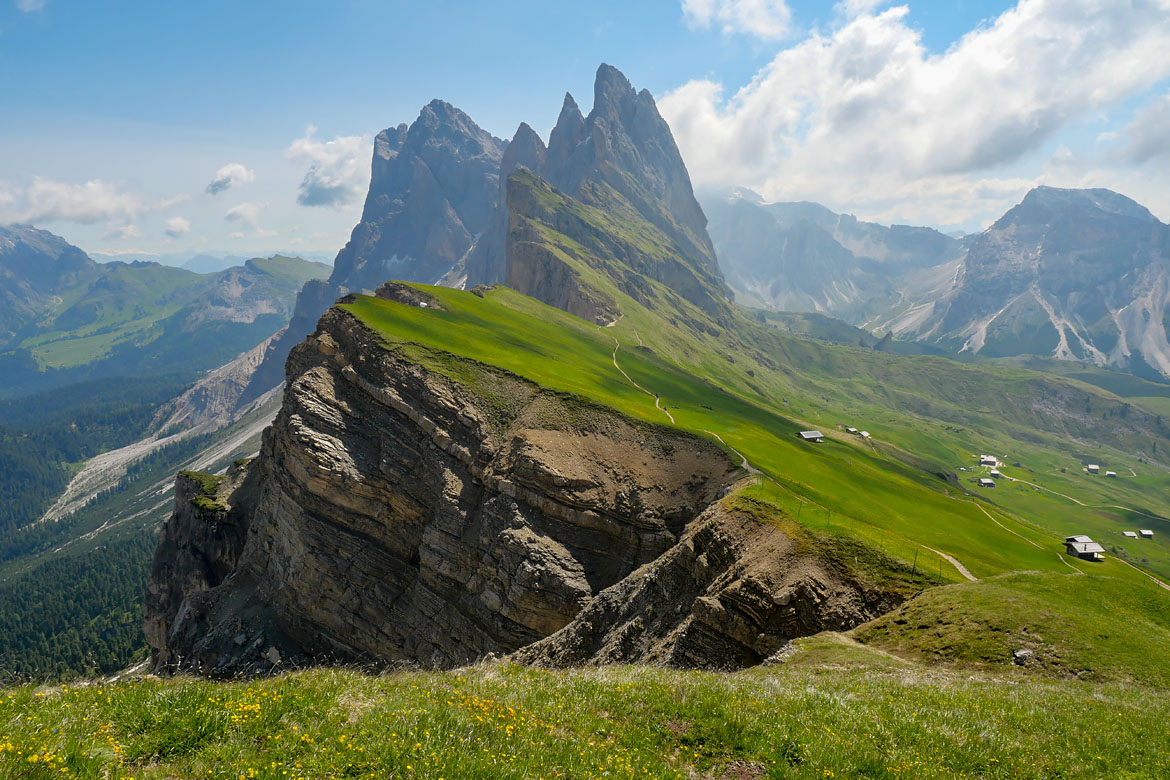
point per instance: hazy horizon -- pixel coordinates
(158, 130)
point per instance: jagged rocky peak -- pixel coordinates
(568, 132)
(387, 146)
(436, 211)
(433, 187)
(1072, 274)
(625, 145)
(526, 149)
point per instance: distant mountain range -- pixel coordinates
(66, 318)
(207, 262)
(1079, 275)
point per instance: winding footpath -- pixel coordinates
(1082, 503)
(952, 560)
(749, 468)
(657, 403)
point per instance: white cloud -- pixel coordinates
(28, 6)
(237, 234)
(865, 116)
(768, 19)
(177, 227)
(339, 170)
(122, 233)
(245, 214)
(1147, 136)
(230, 175)
(852, 8)
(45, 200)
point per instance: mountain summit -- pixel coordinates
(622, 160)
(438, 212)
(1072, 274)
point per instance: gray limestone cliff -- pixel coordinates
(434, 187)
(1072, 274)
(395, 515)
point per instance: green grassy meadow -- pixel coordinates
(843, 483)
(834, 709)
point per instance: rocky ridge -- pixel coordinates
(396, 515)
(803, 257)
(438, 208)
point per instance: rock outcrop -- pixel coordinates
(437, 210)
(434, 187)
(397, 515)
(731, 593)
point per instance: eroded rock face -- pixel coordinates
(199, 547)
(730, 593)
(393, 517)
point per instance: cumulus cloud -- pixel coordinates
(177, 227)
(122, 233)
(1147, 136)
(230, 175)
(245, 214)
(45, 200)
(864, 115)
(28, 6)
(338, 172)
(768, 19)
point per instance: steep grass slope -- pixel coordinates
(874, 492)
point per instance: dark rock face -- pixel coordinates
(393, 517)
(487, 263)
(433, 188)
(198, 549)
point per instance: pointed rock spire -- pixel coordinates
(526, 149)
(569, 131)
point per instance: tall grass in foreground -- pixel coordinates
(830, 718)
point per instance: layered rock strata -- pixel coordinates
(398, 515)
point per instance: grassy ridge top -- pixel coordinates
(843, 488)
(873, 496)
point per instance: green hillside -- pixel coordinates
(71, 590)
(144, 318)
(873, 492)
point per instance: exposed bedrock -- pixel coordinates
(395, 515)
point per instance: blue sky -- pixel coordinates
(117, 115)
